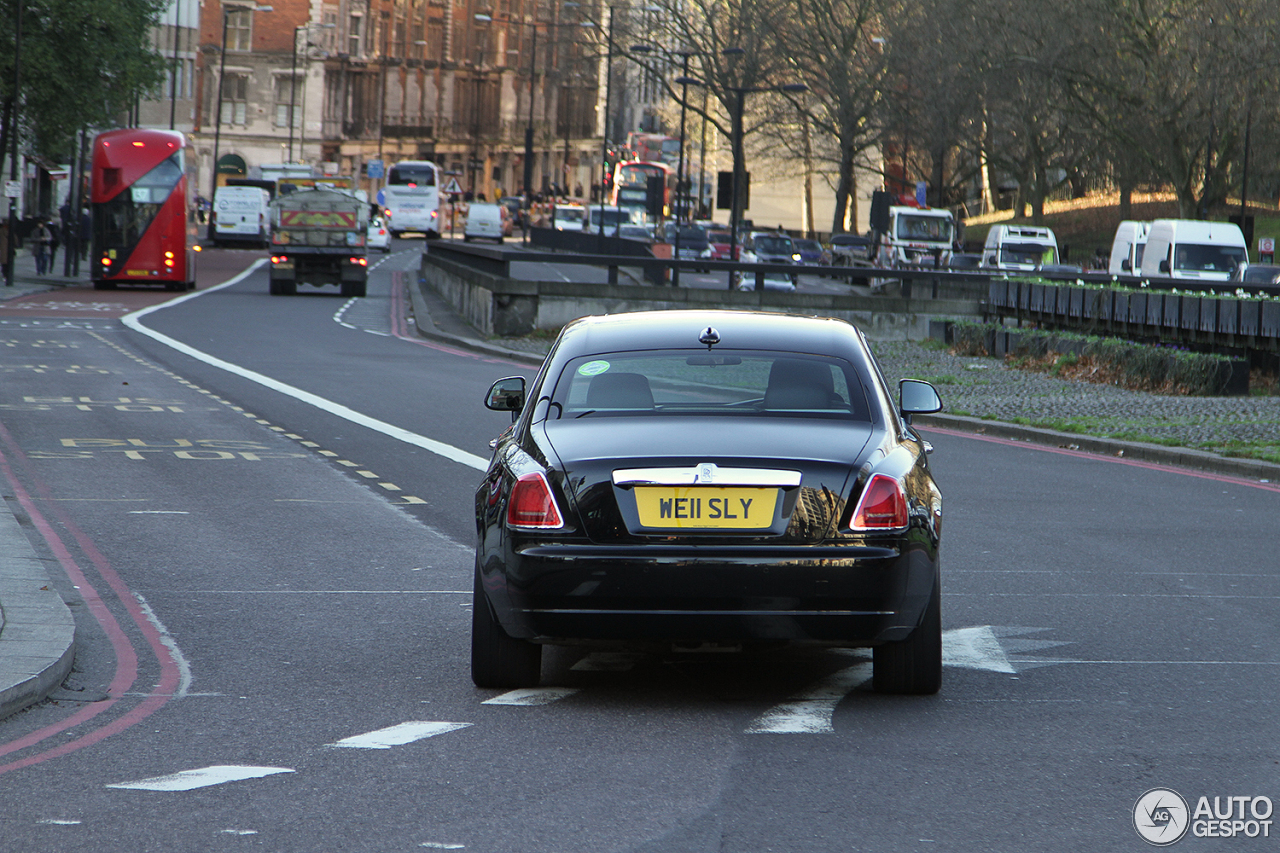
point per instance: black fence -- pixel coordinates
(1206, 320)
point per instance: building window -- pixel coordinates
(235, 102)
(353, 35)
(239, 29)
(285, 99)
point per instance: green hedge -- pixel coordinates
(1142, 366)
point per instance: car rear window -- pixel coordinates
(732, 383)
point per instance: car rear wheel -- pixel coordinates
(499, 660)
(913, 665)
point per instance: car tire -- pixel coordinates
(913, 666)
(497, 659)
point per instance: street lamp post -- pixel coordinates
(217, 121)
(736, 144)
(604, 137)
(13, 147)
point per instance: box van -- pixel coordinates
(484, 221)
(611, 215)
(1019, 247)
(1189, 248)
(240, 215)
(1127, 247)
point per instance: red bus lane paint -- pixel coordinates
(126, 656)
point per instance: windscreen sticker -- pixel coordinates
(593, 368)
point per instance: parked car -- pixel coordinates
(693, 242)
(812, 253)
(1259, 274)
(774, 247)
(660, 488)
(964, 261)
(718, 244)
(377, 236)
(848, 248)
(569, 217)
(632, 231)
(486, 221)
(515, 209)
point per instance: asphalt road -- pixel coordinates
(266, 540)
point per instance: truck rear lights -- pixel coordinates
(279, 259)
(531, 504)
(883, 505)
(360, 262)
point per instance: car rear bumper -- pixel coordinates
(839, 595)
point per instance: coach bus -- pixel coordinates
(631, 184)
(138, 195)
(411, 198)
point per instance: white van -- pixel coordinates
(1019, 247)
(1127, 247)
(1192, 249)
(484, 222)
(611, 216)
(241, 215)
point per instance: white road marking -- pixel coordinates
(53, 821)
(810, 712)
(985, 647)
(398, 735)
(532, 696)
(239, 832)
(448, 451)
(974, 648)
(440, 845)
(189, 780)
(158, 512)
(166, 639)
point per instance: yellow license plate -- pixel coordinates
(706, 507)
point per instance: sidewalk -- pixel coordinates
(37, 631)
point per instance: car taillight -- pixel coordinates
(532, 505)
(883, 505)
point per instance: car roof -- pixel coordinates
(681, 329)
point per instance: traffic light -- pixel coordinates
(654, 202)
(724, 190)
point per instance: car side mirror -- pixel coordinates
(1125, 266)
(917, 397)
(991, 259)
(1164, 266)
(506, 395)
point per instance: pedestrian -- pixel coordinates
(40, 246)
(4, 249)
(85, 223)
(55, 240)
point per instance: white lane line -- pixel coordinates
(810, 712)
(532, 696)
(166, 639)
(189, 780)
(448, 451)
(441, 845)
(398, 735)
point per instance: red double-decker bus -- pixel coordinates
(138, 192)
(631, 184)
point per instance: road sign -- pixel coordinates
(13, 189)
(1267, 245)
(374, 169)
(452, 187)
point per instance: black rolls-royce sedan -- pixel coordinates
(709, 477)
